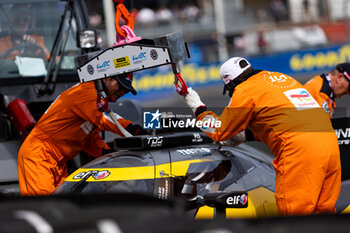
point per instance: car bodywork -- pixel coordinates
(211, 179)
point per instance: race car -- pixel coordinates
(211, 179)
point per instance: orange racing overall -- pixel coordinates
(69, 126)
(283, 115)
(320, 89)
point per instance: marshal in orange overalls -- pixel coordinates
(69, 126)
(283, 115)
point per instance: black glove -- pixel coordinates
(136, 130)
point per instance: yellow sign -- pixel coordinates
(191, 74)
(320, 60)
(121, 62)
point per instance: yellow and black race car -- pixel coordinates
(212, 179)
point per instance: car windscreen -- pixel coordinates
(28, 32)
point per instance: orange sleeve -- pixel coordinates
(235, 117)
(86, 109)
(94, 144)
(314, 86)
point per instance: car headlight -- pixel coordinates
(87, 39)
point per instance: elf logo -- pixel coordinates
(237, 200)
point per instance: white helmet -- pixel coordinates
(232, 68)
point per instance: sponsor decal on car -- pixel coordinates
(163, 188)
(155, 141)
(193, 151)
(131, 173)
(197, 137)
(237, 200)
(97, 175)
(232, 199)
(101, 175)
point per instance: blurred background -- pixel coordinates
(301, 38)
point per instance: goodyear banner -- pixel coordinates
(302, 62)
(157, 83)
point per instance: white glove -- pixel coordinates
(236, 139)
(193, 100)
